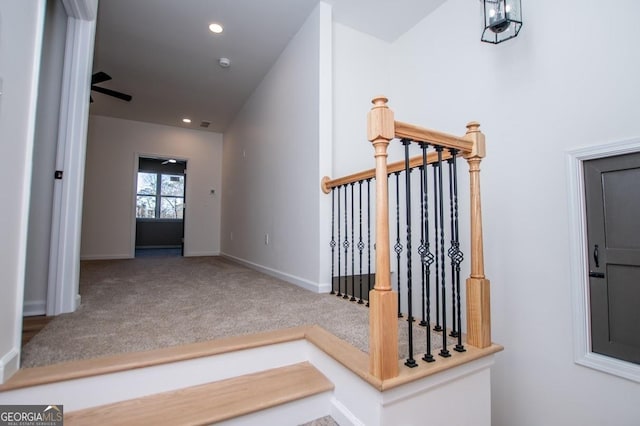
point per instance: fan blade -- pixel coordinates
(99, 77)
(113, 93)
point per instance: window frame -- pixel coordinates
(158, 197)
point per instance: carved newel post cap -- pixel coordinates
(380, 101)
(477, 137)
(380, 121)
(473, 126)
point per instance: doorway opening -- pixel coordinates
(160, 207)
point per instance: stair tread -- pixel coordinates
(211, 402)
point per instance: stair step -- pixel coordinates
(211, 402)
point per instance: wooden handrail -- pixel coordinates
(422, 134)
(327, 184)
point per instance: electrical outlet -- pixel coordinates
(231, 235)
(266, 239)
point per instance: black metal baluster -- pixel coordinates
(427, 256)
(360, 243)
(410, 362)
(398, 246)
(436, 221)
(346, 244)
(339, 251)
(422, 250)
(368, 238)
(332, 244)
(457, 256)
(450, 253)
(353, 247)
(444, 352)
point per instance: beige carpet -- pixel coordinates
(149, 303)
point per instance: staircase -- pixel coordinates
(283, 377)
(299, 391)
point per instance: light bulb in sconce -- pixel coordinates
(502, 20)
(498, 22)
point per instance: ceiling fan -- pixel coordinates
(101, 77)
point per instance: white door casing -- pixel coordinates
(64, 267)
(578, 259)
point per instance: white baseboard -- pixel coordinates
(9, 364)
(300, 282)
(201, 253)
(342, 415)
(106, 256)
(34, 307)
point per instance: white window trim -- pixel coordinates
(578, 255)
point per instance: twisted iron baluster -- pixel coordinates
(346, 244)
(426, 255)
(332, 243)
(339, 251)
(410, 362)
(398, 246)
(360, 243)
(422, 249)
(444, 352)
(450, 253)
(436, 221)
(457, 255)
(353, 247)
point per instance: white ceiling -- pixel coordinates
(162, 53)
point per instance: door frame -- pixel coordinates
(579, 277)
(63, 294)
(136, 163)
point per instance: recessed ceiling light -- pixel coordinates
(186, 120)
(216, 28)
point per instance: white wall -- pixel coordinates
(362, 67)
(570, 79)
(21, 27)
(271, 164)
(44, 159)
(107, 223)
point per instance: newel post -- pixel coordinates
(478, 287)
(383, 301)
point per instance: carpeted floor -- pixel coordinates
(149, 303)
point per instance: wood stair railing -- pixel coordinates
(381, 129)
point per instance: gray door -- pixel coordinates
(612, 191)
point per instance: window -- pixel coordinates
(160, 196)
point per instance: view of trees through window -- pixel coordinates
(159, 196)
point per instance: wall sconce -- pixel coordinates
(502, 20)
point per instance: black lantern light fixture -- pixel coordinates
(502, 20)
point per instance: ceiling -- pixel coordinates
(162, 53)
